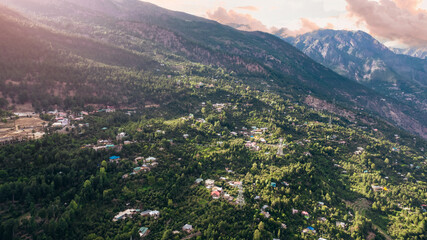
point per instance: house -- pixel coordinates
(140, 169)
(322, 219)
(227, 197)
(145, 213)
(154, 214)
(150, 159)
(215, 188)
(285, 183)
(295, 211)
(143, 231)
(307, 154)
(284, 226)
(114, 159)
(120, 136)
(235, 184)
(199, 180)
(321, 203)
(266, 214)
(257, 198)
(377, 188)
(200, 85)
(57, 125)
(99, 148)
(257, 131)
(305, 214)
(160, 131)
(273, 184)
(359, 150)
(340, 224)
(252, 145)
(187, 228)
(185, 136)
(209, 183)
(125, 214)
(201, 120)
(309, 230)
(215, 194)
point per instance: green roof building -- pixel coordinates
(143, 231)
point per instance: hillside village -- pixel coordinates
(140, 141)
(231, 184)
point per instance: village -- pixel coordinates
(227, 185)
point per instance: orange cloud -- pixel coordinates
(249, 8)
(306, 26)
(400, 20)
(411, 5)
(246, 22)
(240, 21)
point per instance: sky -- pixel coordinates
(399, 23)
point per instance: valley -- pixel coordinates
(156, 124)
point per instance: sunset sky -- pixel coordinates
(395, 22)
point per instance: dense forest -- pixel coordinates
(132, 36)
(55, 188)
(236, 156)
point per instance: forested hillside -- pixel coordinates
(163, 145)
(254, 56)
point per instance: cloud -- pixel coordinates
(246, 22)
(410, 5)
(240, 21)
(306, 26)
(396, 20)
(249, 8)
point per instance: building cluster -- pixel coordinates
(101, 145)
(146, 164)
(379, 188)
(130, 213)
(219, 192)
(219, 107)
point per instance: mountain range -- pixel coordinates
(359, 56)
(123, 120)
(420, 52)
(139, 28)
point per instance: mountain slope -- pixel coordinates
(44, 69)
(413, 52)
(359, 56)
(253, 56)
(346, 174)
